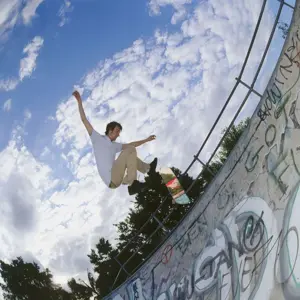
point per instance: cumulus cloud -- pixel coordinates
(23, 183)
(14, 12)
(155, 5)
(68, 256)
(28, 63)
(179, 6)
(8, 16)
(29, 257)
(27, 114)
(19, 204)
(7, 105)
(64, 10)
(29, 11)
(8, 84)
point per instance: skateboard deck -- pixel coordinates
(174, 186)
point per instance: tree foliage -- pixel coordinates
(23, 281)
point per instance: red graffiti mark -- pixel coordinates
(167, 254)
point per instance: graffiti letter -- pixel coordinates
(270, 138)
(273, 95)
(251, 162)
(245, 272)
(286, 266)
(252, 232)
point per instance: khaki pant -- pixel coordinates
(127, 160)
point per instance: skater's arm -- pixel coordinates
(135, 144)
(83, 117)
(139, 143)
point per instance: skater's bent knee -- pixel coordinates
(130, 149)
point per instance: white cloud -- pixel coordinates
(155, 5)
(29, 11)
(8, 16)
(45, 152)
(23, 180)
(7, 105)
(68, 256)
(8, 84)
(28, 63)
(19, 209)
(15, 12)
(179, 6)
(65, 9)
(172, 85)
(27, 115)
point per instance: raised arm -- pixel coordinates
(83, 117)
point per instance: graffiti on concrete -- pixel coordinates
(239, 260)
(245, 258)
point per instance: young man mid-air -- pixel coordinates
(105, 149)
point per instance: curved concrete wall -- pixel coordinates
(242, 239)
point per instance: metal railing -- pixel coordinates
(196, 158)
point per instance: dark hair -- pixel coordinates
(112, 126)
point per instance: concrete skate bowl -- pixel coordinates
(240, 240)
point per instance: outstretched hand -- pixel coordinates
(151, 138)
(77, 96)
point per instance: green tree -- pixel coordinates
(26, 281)
(145, 204)
(231, 138)
(227, 145)
(84, 291)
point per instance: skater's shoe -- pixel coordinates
(136, 187)
(153, 165)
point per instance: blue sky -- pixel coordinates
(149, 64)
(70, 51)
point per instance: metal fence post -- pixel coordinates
(161, 225)
(249, 87)
(122, 266)
(205, 165)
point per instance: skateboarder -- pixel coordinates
(105, 149)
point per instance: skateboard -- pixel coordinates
(174, 186)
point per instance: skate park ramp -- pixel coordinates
(241, 239)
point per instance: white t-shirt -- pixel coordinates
(105, 153)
